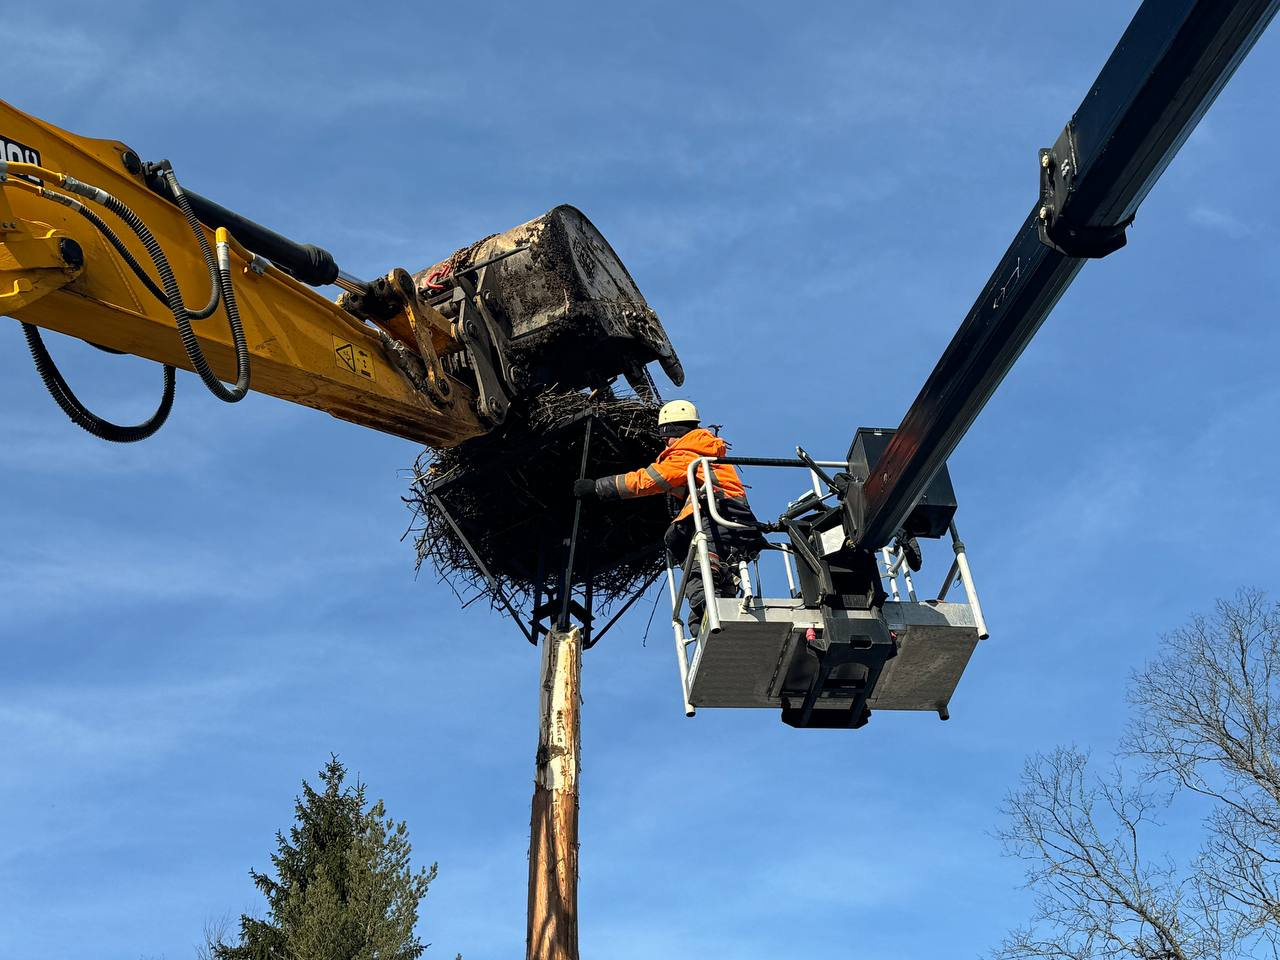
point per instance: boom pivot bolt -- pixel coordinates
(71, 252)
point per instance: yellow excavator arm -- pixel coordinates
(97, 245)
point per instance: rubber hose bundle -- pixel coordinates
(222, 291)
(127, 256)
(174, 296)
(57, 385)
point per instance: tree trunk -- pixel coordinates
(553, 835)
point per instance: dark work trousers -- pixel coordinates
(727, 548)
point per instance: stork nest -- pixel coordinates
(503, 503)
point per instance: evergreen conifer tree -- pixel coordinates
(344, 888)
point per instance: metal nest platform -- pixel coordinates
(495, 516)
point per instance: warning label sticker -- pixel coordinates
(354, 359)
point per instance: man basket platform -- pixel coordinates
(849, 634)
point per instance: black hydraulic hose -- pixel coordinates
(174, 296)
(131, 261)
(198, 229)
(52, 377)
(221, 273)
(237, 328)
(120, 248)
(220, 277)
(78, 413)
(110, 236)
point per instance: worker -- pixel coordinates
(686, 441)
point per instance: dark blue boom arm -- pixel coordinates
(1164, 74)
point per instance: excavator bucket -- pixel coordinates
(556, 304)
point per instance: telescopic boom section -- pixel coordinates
(1164, 74)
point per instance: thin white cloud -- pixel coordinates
(53, 446)
(81, 565)
(100, 725)
(1221, 221)
(167, 77)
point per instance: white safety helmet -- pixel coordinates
(678, 411)
(676, 418)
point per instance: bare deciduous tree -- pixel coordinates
(1208, 718)
(1207, 721)
(1096, 894)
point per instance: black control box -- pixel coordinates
(931, 516)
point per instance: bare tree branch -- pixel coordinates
(213, 936)
(1208, 715)
(1206, 720)
(1097, 896)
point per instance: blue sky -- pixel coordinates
(811, 197)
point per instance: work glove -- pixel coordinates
(584, 488)
(911, 547)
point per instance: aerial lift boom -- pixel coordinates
(836, 645)
(1169, 66)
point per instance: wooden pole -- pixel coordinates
(553, 833)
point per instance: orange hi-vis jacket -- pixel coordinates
(670, 473)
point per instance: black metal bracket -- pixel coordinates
(596, 638)
(853, 503)
(1059, 166)
(834, 675)
(476, 328)
(798, 534)
(495, 588)
(566, 592)
(812, 464)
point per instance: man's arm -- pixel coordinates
(669, 475)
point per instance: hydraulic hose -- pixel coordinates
(222, 292)
(52, 377)
(110, 236)
(78, 413)
(132, 262)
(232, 309)
(184, 204)
(173, 295)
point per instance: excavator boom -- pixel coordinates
(87, 230)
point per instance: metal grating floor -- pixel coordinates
(739, 666)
